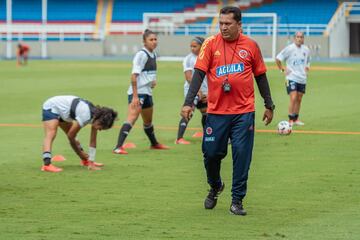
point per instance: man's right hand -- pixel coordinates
(268, 116)
(186, 112)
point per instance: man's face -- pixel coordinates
(229, 27)
(299, 38)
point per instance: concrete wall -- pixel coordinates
(339, 39)
(127, 45)
(60, 49)
(179, 45)
(319, 45)
(35, 49)
(78, 49)
(118, 45)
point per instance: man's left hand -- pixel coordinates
(268, 116)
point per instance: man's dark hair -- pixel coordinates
(147, 33)
(235, 10)
(105, 116)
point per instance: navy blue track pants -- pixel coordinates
(218, 129)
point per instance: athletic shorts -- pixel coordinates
(294, 86)
(48, 115)
(145, 100)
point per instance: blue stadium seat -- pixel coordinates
(69, 10)
(64, 10)
(299, 12)
(2, 10)
(132, 11)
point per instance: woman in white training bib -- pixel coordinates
(72, 113)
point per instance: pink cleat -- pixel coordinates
(182, 141)
(50, 168)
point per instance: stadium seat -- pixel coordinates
(58, 11)
(299, 12)
(129, 11)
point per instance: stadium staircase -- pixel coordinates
(103, 18)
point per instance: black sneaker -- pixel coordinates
(237, 208)
(211, 199)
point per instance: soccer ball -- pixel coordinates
(284, 128)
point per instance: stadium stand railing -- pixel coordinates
(78, 22)
(309, 21)
(66, 20)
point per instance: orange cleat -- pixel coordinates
(120, 150)
(159, 146)
(129, 145)
(50, 168)
(198, 135)
(182, 141)
(88, 162)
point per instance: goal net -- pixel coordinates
(262, 27)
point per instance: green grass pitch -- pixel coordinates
(302, 186)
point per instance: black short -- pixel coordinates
(145, 100)
(294, 86)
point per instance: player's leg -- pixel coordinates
(181, 130)
(25, 57)
(50, 129)
(292, 106)
(202, 107)
(215, 139)
(297, 108)
(300, 88)
(182, 126)
(242, 141)
(147, 116)
(298, 102)
(132, 116)
(291, 90)
(21, 59)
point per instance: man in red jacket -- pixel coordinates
(230, 61)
